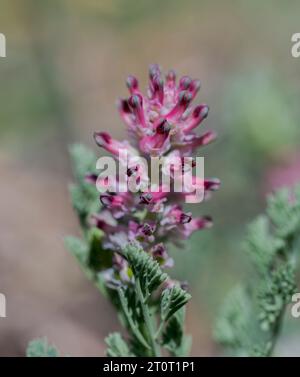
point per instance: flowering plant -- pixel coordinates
(128, 233)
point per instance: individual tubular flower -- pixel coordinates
(160, 124)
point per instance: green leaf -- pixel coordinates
(145, 268)
(233, 327)
(78, 248)
(41, 348)
(117, 347)
(251, 318)
(128, 312)
(173, 338)
(99, 258)
(84, 196)
(261, 245)
(85, 201)
(90, 253)
(173, 299)
(274, 294)
(284, 212)
(83, 161)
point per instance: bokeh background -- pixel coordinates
(66, 65)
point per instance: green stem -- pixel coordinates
(160, 328)
(276, 333)
(148, 320)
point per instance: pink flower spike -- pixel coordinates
(135, 209)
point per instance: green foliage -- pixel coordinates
(116, 346)
(145, 268)
(172, 300)
(98, 258)
(140, 307)
(78, 248)
(251, 318)
(131, 317)
(84, 196)
(173, 338)
(262, 246)
(263, 115)
(275, 294)
(41, 348)
(284, 212)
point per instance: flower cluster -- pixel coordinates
(161, 123)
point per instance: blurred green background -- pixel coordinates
(66, 65)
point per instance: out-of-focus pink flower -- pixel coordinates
(284, 174)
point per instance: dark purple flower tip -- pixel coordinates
(158, 82)
(185, 98)
(163, 127)
(185, 218)
(201, 111)
(147, 230)
(102, 138)
(135, 101)
(91, 178)
(185, 83)
(212, 184)
(187, 165)
(146, 198)
(132, 170)
(106, 199)
(206, 221)
(154, 70)
(184, 285)
(158, 250)
(132, 84)
(124, 106)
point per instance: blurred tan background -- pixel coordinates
(66, 64)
